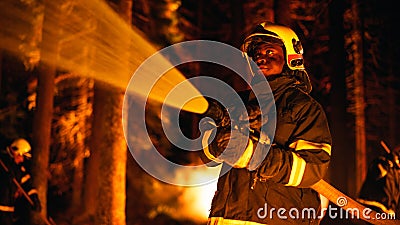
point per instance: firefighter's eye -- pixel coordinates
(257, 56)
(266, 53)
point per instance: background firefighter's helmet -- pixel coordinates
(267, 32)
(21, 147)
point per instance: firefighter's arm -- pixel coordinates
(27, 186)
(305, 158)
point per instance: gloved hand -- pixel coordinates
(229, 146)
(247, 121)
(36, 203)
(254, 114)
(217, 112)
(262, 142)
(253, 122)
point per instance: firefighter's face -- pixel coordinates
(270, 58)
(18, 158)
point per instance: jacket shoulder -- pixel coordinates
(300, 104)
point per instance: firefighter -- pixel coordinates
(381, 188)
(268, 181)
(13, 170)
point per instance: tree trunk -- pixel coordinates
(81, 104)
(393, 115)
(125, 10)
(41, 137)
(91, 184)
(342, 150)
(111, 147)
(359, 95)
(282, 12)
(1, 71)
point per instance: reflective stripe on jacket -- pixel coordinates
(5, 208)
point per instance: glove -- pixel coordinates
(229, 146)
(247, 121)
(262, 141)
(217, 112)
(254, 117)
(37, 207)
(253, 122)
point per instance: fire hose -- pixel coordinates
(349, 204)
(344, 201)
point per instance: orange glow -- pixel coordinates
(195, 202)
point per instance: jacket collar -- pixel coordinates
(277, 83)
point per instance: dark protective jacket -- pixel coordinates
(381, 188)
(278, 192)
(11, 200)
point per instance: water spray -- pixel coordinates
(92, 41)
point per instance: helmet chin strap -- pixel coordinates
(248, 63)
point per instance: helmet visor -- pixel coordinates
(16, 151)
(254, 41)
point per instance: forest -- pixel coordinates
(67, 85)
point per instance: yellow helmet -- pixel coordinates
(21, 147)
(269, 32)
